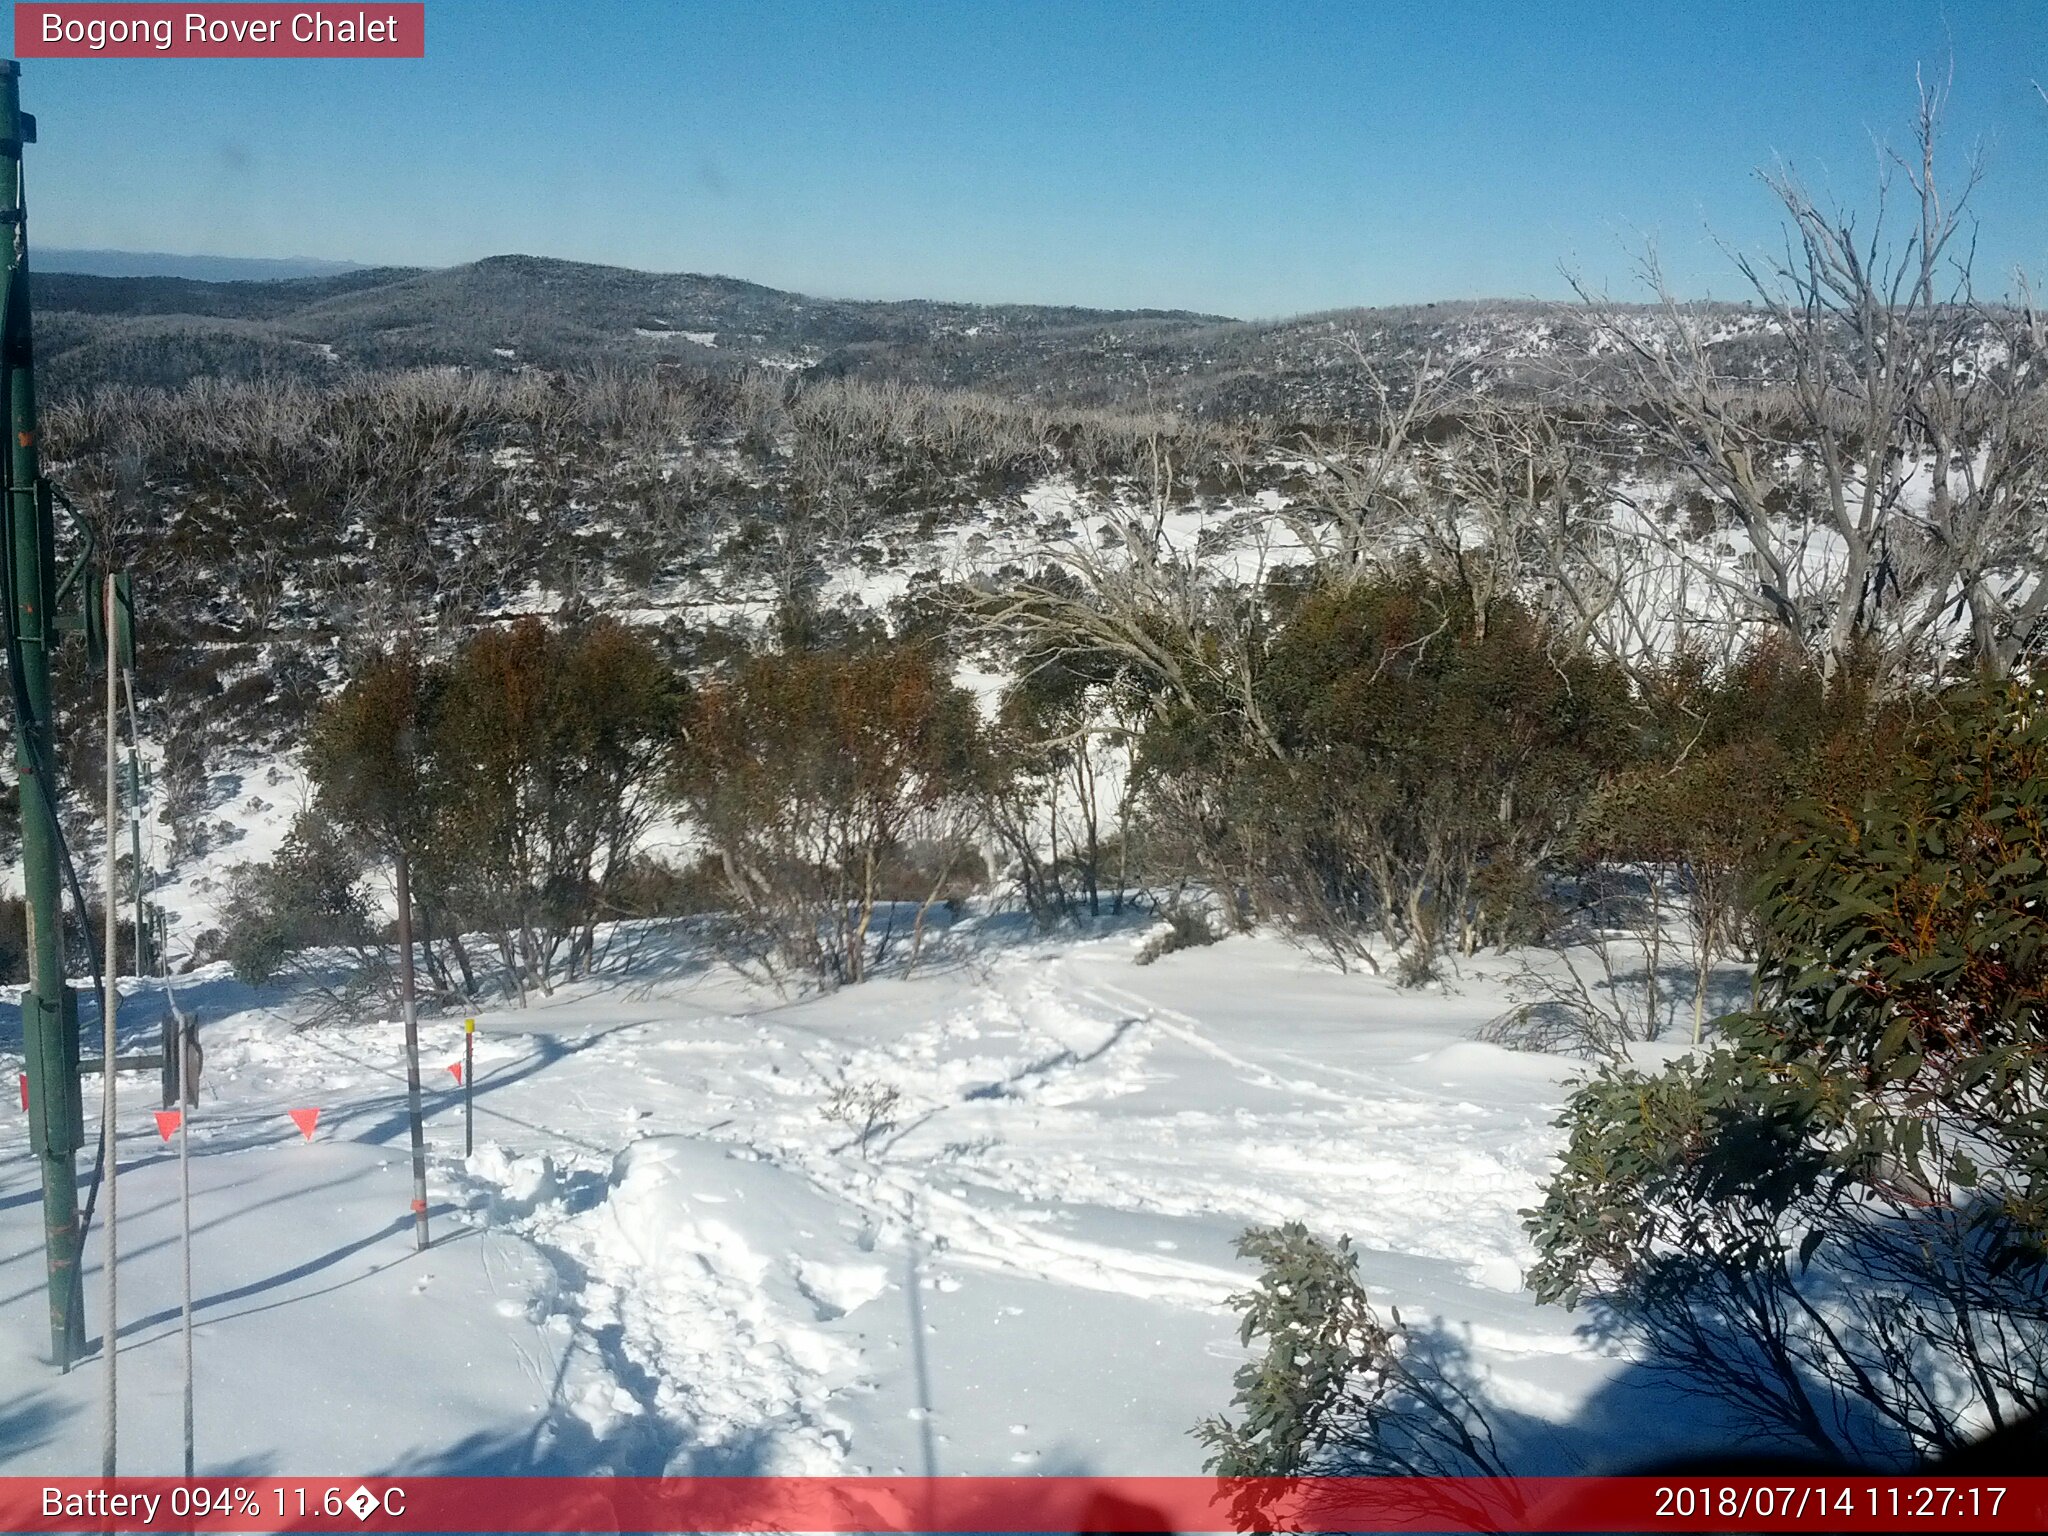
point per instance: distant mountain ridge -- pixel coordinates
(507, 312)
(503, 311)
(211, 269)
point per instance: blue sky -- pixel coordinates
(1251, 159)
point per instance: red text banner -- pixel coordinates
(1021, 1504)
(233, 31)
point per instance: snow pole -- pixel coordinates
(109, 1071)
(468, 1087)
(142, 965)
(406, 991)
(49, 1012)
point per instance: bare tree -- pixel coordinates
(1881, 458)
(1136, 594)
(1373, 489)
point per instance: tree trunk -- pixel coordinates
(1084, 787)
(463, 966)
(924, 907)
(857, 937)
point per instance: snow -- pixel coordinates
(665, 1256)
(254, 806)
(658, 333)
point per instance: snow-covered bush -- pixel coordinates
(1186, 928)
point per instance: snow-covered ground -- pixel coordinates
(666, 1255)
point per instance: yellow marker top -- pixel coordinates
(469, 1026)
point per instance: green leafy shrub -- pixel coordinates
(1420, 757)
(1836, 1218)
(1335, 1390)
(309, 896)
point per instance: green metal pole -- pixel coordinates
(49, 1012)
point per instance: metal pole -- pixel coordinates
(403, 869)
(49, 1011)
(185, 1215)
(142, 965)
(146, 946)
(109, 1074)
(180, 1037)
(468, 1087)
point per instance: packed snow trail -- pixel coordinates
(666, 1257)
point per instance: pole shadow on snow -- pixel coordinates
(203, 1304)
(23, 1197)
(913, 1294)
(395, 1121)
(133, 1251)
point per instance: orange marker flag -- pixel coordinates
(305, 1120)
(167, 1122)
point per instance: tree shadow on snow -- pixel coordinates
(971, 941)
(559, 1444)
(34, 1421)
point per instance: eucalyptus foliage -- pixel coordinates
(1837, 1218)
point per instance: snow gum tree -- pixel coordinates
(510, 783)
(1877, 449)
(365, 756)
(805, 771)
(1672, 843)
(1062, 741)
(549, 745)
(1430, 761)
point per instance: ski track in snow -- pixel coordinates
(688, 1268)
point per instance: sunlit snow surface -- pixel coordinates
(664, 1257)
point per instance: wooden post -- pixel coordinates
(468, 1087)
